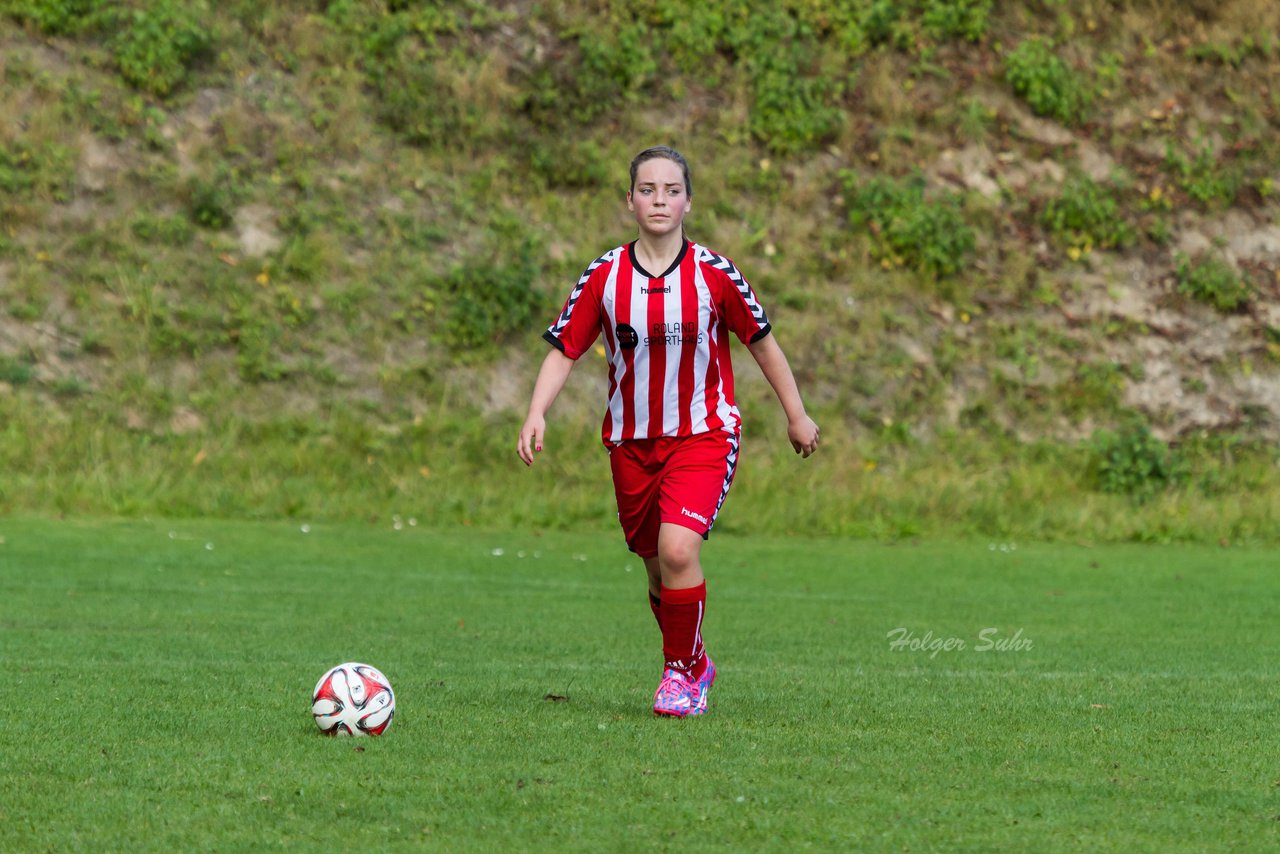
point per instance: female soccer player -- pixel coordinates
(666, 307)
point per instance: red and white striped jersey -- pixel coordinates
(666, 339)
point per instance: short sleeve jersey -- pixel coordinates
(666, 340)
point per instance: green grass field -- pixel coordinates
(156, 681)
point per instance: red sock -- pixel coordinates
(682, 629)
(655, 605)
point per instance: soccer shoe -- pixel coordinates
(674, 696)
(698, 699)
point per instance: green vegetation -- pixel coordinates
(30, 173)
(1086, 215)
(339, 464)
(1201, 176)
(492, 297)
(928, 235)
(293, 259)
(1263, 46)
(15, 371)
(158, 45)
(155, 45)
(1133, 462)
(1213, 281)
(1095, 701)
(917, 24)
(55, 17)
(1047, 84)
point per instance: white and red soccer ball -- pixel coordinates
(353, 699)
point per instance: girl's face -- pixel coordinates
(658, 198)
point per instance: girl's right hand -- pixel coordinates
(531, 438)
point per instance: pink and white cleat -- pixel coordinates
(675, 694)
(698, 699)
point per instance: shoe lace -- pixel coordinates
(673, 684)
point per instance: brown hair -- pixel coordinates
(664, 152)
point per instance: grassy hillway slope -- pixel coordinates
(255, 256)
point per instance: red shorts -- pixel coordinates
(682, 480)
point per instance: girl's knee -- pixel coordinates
(679, 555)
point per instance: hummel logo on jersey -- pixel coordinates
(669, 371)
(685, 511)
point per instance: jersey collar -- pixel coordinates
(675, 265)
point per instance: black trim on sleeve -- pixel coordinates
(555, 342)
(764, 330)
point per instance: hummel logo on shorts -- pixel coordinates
(685, 511)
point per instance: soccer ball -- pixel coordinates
(353, 699)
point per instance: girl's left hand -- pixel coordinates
(803, 433)
(530, 441)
